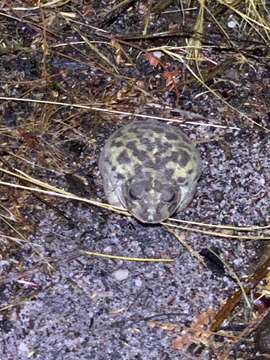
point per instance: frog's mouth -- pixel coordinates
(149, 220)
(151, 216)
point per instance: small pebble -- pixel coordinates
(232, 23)
(158, 54)
(22, 348)
(138, 282)
(121, 274)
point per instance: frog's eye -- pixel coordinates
(167, 195)
(136, 191)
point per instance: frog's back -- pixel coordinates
(151, 145)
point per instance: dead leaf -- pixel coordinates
(197, 333)
(153, 61)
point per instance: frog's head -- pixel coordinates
(150, 199)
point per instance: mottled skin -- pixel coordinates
(150, 168)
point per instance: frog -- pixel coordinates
(151, 168)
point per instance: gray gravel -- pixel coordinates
(93, 308)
